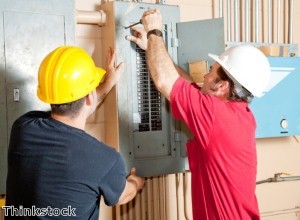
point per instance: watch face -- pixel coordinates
(158, 32)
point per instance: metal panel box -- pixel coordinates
(29, 30)
(277, 112)
(145, 131)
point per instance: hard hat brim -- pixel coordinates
(101, 73)
(216, 58)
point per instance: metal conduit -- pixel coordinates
(185, 194)
(278, 178)
(91, 17)
(291, 21)
(278, 20)
(257, 21)
(247, 20)
(228, 20)
(270, 21)
(236, 20)
(295, 210)
(221, 8)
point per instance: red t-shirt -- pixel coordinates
(222, 154)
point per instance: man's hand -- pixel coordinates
(139, 37)
(112, 75)
(152, 19)
(139, 181)
(112, 71)
(134, 183)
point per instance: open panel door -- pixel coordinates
(196, 40)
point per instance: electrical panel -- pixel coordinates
(29, 30)
(147, 135)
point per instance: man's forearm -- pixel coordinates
(102, 90)
(129, 192)
(160, 65)
(183, 74)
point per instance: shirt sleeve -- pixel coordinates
(114, 182)
(193, 107)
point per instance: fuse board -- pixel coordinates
(147, 133)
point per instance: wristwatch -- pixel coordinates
(155, 32)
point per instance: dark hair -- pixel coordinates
(233, 95)
(70, 109)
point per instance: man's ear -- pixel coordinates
(89, 99)
(224, 85)
(221, 88)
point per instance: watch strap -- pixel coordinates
(155, 32)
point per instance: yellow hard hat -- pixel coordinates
(67, 74)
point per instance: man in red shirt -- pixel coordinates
(222, 154)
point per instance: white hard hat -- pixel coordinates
(247, 66)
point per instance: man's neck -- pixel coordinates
(78, 122)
